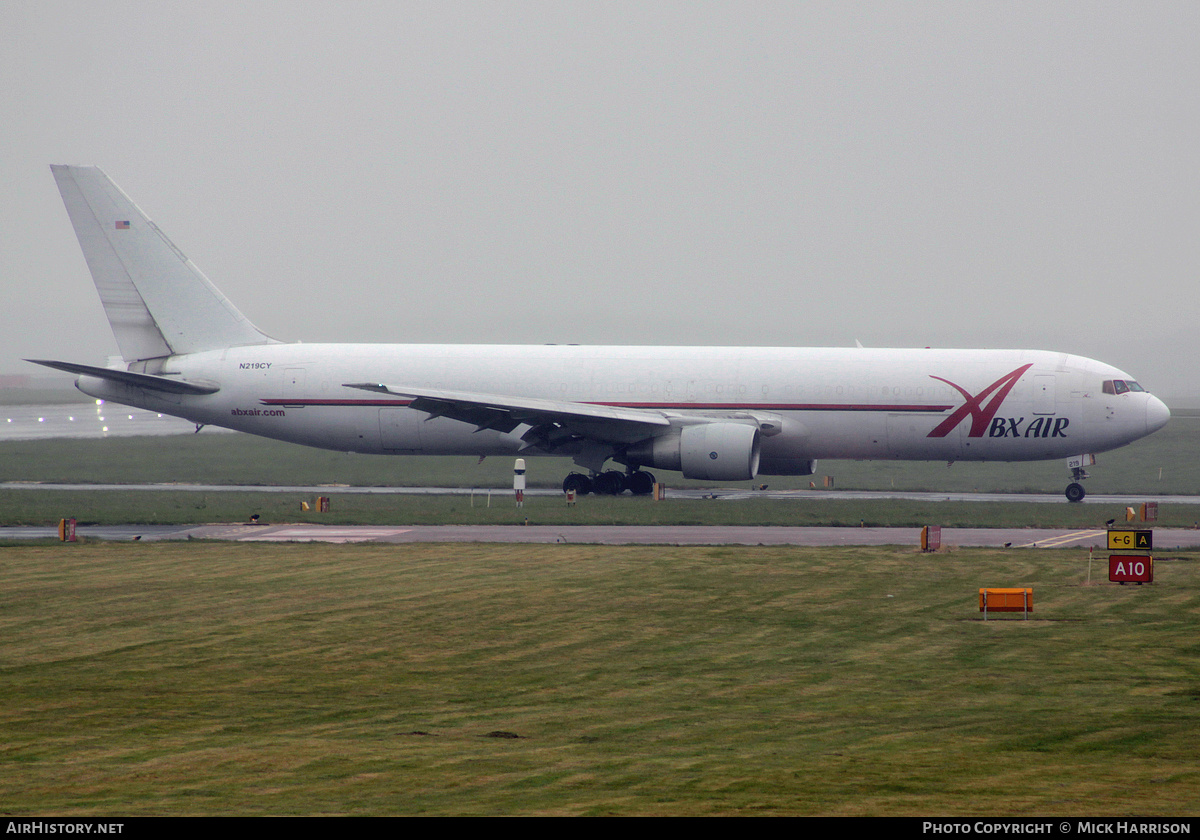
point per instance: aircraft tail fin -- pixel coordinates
(157, 302)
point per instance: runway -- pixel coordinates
(95, 419)
(1164, 538)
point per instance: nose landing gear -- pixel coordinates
(1075, 491)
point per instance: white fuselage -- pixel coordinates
(712, 413)
(922, 404)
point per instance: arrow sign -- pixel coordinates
(1130, 540)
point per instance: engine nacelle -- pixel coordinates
(712, 451)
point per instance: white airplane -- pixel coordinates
(712, 413)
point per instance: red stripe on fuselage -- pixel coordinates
(384, 403)
(660, 405)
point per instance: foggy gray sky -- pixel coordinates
(904, 174)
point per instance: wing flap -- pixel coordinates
(549, 419)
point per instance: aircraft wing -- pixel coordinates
(552, 422)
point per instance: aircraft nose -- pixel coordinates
(1157, 414)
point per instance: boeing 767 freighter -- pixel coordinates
(711, 413)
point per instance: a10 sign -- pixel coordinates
(1130, 568)
(1130, 540)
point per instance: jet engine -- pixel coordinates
(712, 451)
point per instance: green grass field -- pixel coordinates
(116, 507)
(202, 678)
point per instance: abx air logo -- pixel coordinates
(983, 415)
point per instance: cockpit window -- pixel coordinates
(1121, 386)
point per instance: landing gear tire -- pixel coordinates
(1075, 492)
(610, 483)
(641, 483)
(580, 483)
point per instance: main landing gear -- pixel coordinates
(610, 483)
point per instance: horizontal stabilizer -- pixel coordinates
(139, 380)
